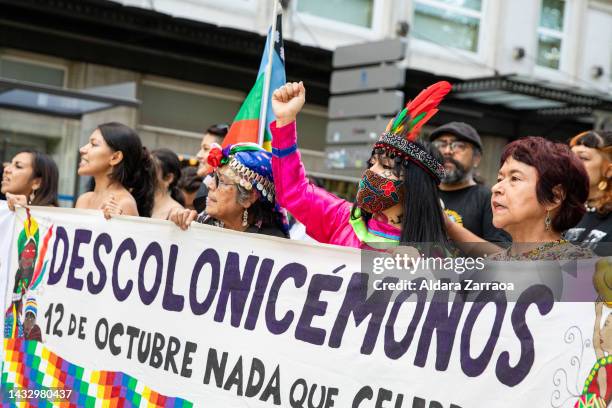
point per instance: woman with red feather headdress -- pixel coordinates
(397, 200)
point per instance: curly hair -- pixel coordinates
(602, 142)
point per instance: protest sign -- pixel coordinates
(136, 309)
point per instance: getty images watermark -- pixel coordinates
(422, 271)
(417, 272)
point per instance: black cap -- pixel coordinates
(460, 130)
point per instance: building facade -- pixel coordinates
(191, 63)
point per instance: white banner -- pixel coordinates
(137, 309)
(7, 219)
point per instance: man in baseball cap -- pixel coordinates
(465, 201)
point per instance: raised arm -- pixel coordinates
(320, 211)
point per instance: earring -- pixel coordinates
(603, 184)
(245, 216)
(32, 197)
(547, 221)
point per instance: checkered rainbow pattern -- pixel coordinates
(30, 365)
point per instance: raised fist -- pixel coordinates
(287, 102)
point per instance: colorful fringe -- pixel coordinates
(30, 365)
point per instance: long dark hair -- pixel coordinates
(136, 172)
(170, 164)
(423, 218)
(44, 167)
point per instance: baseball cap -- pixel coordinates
(460, 130)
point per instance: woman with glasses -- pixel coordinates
(595, 151)
(241, 193)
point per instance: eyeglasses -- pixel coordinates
(457, 145)
(220, 183)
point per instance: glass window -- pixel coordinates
(453, 23)
(550, 33)
(552, 14)
(356, 12)
(30, 72)
(471, 4)
(173, 109)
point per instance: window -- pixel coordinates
(31, 72)
(550, 33)
(175, 109)
(356, 12)
(452, 23)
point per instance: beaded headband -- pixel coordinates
(396, 146)
(248, 179)
(243, 159)
(399, 138)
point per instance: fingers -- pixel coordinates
(182, 218)
(276, 95)
(184, 224)
(11, 203)
(187, 217)
(288, 91)
(175, 217)
(191, 217)
(111, 207)
(284, 93)
(295, 88)
(14, 200)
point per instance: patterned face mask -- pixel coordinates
(377, 193)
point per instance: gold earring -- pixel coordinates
(547, 221)
(603, 184)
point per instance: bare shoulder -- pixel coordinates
(127, 203)
(84, 200)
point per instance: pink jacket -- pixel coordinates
(326, 217)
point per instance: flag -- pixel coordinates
(245, 127)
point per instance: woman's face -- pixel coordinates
(17, 177)
(593, 162)
(222, 202)
(159, 174)
(384, 166)
(96, 156)
(514, 201)
(605, 338)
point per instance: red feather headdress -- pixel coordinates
(402, 131)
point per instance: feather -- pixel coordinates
(398, 119)
(389, 126)
(423, 107)
(416, 120)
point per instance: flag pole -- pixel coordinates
(267, 78)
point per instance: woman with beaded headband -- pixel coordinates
(241, 193)
(397, 199)
(594, 148)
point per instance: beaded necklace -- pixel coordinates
(536, 253)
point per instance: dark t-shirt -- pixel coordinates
(595, 230)
(471, 207)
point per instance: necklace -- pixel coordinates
(537, 252)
